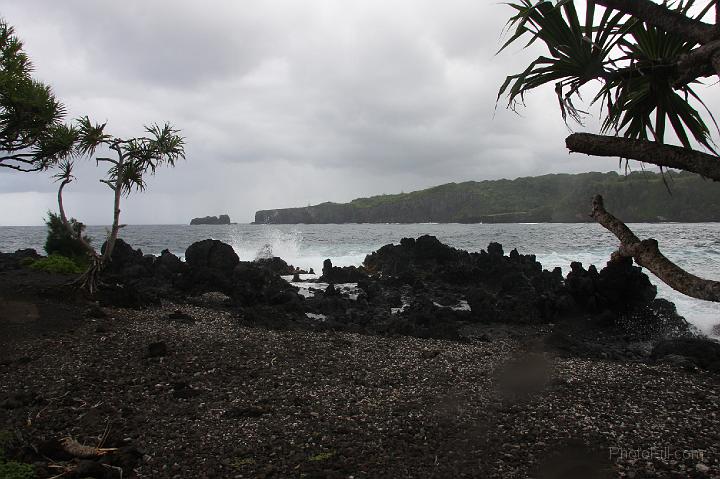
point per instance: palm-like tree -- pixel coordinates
(134, 159)
(32, 135)
(647, 59)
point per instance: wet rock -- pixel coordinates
(252, 284)
(337, 275)
(275, 265)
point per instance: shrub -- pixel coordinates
(56, 263)
(16, 470)
(60, 241)
(12, 469)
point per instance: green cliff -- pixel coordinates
(637, 197)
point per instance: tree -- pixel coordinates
(647, 57)
(133, 159)
(71, 244)
(32, 135)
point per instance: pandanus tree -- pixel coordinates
(32, 135)
(646, 60)
(131, 161)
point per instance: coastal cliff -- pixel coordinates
(211, 220)
(561, 198)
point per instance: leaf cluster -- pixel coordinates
(31, 134)
(636, 63)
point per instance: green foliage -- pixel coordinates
(323, 456)
(242, 461)
(16, 470)
(637, 197)
(635, 62)
(56, 263)
(31, 135)
(12, 469)
(135, 156)
(59, 240)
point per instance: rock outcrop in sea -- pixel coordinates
(211, 220)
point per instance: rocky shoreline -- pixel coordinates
(438, 363)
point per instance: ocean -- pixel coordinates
(693, 246)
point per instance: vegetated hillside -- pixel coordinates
(637, 197)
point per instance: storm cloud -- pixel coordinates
(287, 103)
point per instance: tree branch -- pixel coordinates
(20, 168)
(647, 254)
(698, 63)
(665, 19)
(646, 151)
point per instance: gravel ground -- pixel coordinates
(230, 401)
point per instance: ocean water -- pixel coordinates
(694, 246)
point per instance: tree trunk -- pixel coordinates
(63, 217)
(662, 17)
(112, 237)
(647, 254)
(659, 154)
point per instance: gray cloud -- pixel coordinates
(286, 103)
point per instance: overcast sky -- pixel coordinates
(286, 103)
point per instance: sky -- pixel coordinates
(287, 103)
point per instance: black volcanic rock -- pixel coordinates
(211, 220)
(346, 274)
(703, 352)
(212, 254)
(276, 265)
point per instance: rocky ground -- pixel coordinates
(201, 388)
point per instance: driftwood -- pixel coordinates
(646, 253)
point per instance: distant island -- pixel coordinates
(211, 220)
(556, 198)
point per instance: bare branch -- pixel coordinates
(108, 160)
(646, 151)
(647, 254)
(665, 19)
(20, 168)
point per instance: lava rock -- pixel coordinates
(703, 352)
(213, 255)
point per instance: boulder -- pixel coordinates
(703, 352)
(167, 265)
(212, 254)
(126, 261)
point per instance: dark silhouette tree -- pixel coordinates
(32, 135)
(133, 160)
(647, 58)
